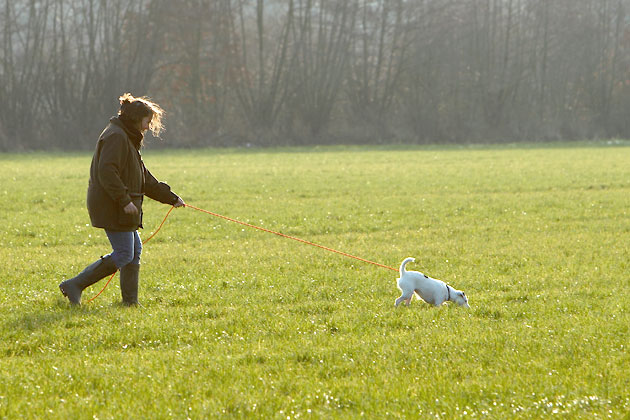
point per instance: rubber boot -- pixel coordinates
(129, 284)
(73, 287)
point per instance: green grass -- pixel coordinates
(237, 323)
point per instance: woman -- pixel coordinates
(118, 182)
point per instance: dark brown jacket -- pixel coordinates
(118, 177)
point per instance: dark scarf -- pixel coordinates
(135, 136)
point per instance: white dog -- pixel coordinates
(432, 291)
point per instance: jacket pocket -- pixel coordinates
(132, 221)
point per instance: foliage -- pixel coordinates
(296, 72)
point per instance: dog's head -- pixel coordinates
(460, 298)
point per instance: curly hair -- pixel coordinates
(136, 109)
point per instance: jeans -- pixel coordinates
(126, 246)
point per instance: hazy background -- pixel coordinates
(293, 72)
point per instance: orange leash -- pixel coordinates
(255, 227)
(292, 237)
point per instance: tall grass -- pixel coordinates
(237, 323)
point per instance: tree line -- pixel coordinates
(292, 72)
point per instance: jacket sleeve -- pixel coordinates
(110, 163)
(157, 190)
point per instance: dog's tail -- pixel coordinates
(404, 263)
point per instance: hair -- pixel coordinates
(135, 109)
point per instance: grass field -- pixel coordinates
(237, 323)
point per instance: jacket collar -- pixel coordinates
(134, 135)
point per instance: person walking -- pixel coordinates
(119, 180)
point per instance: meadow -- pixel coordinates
(238, 323)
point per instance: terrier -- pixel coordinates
(432, 291)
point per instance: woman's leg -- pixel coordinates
(123, 246)
(127, 248)
(101, 268)
(137, 248)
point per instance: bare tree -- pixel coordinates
(299, 71)
(263, 65)
(23, 67)
(322, 34)
(194, 72)
(378, 52)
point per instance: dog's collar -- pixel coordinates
(448, 291)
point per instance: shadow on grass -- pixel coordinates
(59, 314)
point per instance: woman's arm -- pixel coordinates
(160, 191)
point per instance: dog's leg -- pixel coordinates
(404, 298)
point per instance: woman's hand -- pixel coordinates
(179, 203)
(130, 209)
